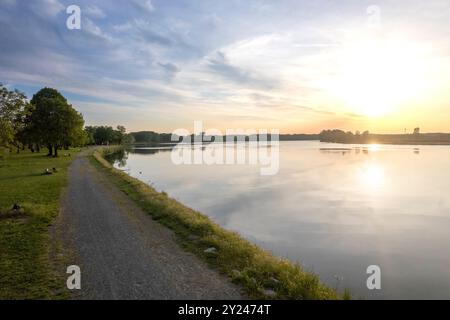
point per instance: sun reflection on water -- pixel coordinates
(374, 147)
(373, 175)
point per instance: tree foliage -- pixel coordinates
(151, 137)
(47, 120)
(54, 121)
(106, 135)
(13, 105)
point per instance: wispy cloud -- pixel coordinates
(220, 65)
(94, 12)
(47, 8)
(92, 29)
(145, 5)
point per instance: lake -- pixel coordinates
(336, 209)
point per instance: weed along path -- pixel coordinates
(122, 252)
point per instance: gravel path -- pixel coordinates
(122, 252)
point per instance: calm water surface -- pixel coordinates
(336, 211)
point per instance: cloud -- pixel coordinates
(145, 31)
(94, 12)
(47, 8)
(92, 29)
(151, 37)
(170, 69)
(145, 5)
(221, 66)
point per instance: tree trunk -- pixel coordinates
(50, 150)
(56, 151)
(38, 147)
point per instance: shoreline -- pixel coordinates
(259, 273)
(390, 143)
(339, 136)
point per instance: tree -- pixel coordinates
(54, 120)
(120, 134)
(121, 129)
(12, 108)
(90, 131)
(104, 135)
(74, 135)
(81, 138)
(128, 139)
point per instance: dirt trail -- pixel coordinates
(122, 252)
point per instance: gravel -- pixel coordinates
(122, 252)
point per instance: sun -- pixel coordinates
(379, 77)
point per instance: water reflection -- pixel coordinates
(374, 147)
(119, 158)
(372, 175)
(150, 150)
(335, 208)
(342, 151)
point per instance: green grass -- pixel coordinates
(254, 269)
(26, 269)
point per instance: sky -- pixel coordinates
(296, 66)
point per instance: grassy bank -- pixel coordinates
(26, 269)
(258, 272)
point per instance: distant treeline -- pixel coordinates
(339, 136)
(298, 136)
(151, 137)
(106, 135)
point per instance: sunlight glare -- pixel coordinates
(372, 176)
(374, 147)
(379, 77)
